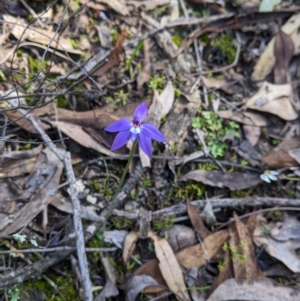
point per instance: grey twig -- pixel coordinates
(74, 198)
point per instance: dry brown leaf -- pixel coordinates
(16, 168)
(180, 237)
(283, 51)
(119, 6)
(274, 99)
(216, 178)
(194, 215)
(21, 30)
(18, 162)
(76, 133)
(253, 290)
(267, 59)
(283, 250)
(169, 267)
(224, 274)
(41, 186)
(222, 84)
(64, 205)
(195, 256)
(247, 117)
(244, 264)
(248, 152)
(136, 284)
(252, 133)
(280, 156)
(130, 245)
(114, 57)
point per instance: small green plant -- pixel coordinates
(191, 190)
(215, 129)
(163, 223)
(158, 83)
(73, 43)
(103, 189)
(226, 46)
(138, 48)
(118, 98)
(13, 293)
(122, 223)
(61, 101)
(235, 253)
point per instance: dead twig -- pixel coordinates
(87, 288)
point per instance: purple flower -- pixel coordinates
(132, 129)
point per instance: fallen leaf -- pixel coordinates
(137, 284)
(267, 60)
(110, 289)
(180, 237)
(253, 290)
(252, 133)
(64, 205)
(116, 237)
(246, 117)
(169, 267)
(114, 57)
(248, 152)
(119, 6)
(216, 178)
(194, 256)
(222, 84)
(194, 215)
(285, 251)
(76, 133)
(283, 51)
(280, 156)
(130, 245)
(224, 274)
(40, 186)
(22, 31)
(242, 251)
(286, 229)
(18, 163)
(274, 99)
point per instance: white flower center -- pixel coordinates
(135, 130)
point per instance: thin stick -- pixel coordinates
(87, 288)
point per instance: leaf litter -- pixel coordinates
(228, 106)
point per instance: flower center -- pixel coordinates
(135, 123)
(135, 128)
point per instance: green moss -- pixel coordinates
(177, 39)
(215, 128)
(61, 101)
(122, 223)
(102, 188)
(62, 284)
(188, 190)
(240, 193)
(226, 46)
(163, 223)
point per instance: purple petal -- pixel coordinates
(152, 132)
(145, 144)
(119, 126)
(121, 139)
(140, 112)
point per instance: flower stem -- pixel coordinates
(114, 198)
